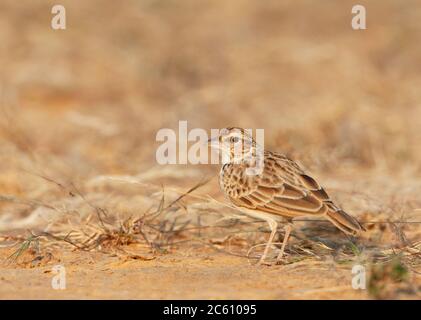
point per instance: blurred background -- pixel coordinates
(80, 109)
(88, 100)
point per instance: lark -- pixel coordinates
(270, 186)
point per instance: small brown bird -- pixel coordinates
(277, 188)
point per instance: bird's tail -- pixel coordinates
(345, 222)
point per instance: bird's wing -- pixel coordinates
(283, 189)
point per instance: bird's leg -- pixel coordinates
(288, 228)
(273, 225)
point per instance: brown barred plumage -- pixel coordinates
(281, 189)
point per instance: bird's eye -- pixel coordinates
(234, 139)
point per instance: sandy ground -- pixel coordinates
(80, 109)
(194, 275)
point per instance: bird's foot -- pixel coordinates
(264, 263)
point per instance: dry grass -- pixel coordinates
(80, 109)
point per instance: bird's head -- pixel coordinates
(236, 145)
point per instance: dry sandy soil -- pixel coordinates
(80, 109)
(194, 275)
